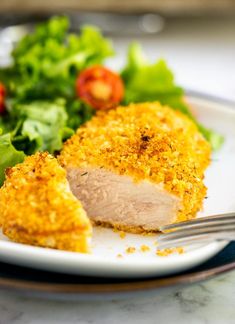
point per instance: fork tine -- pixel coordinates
(184, 241)
(199, 225)
(201, 239)
(220, 218)
(185, 234)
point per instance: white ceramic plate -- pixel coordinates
(104, 260)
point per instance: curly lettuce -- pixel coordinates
(47, 61)
(41, 126)
(9, 155)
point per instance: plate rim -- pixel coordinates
(114, 288)
(210, 97)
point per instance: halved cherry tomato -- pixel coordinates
(2, 98)
(100, 87)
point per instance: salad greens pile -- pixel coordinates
(42, 108)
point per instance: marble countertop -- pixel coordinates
(208, 302)
(202, 53)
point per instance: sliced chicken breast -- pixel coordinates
(138, 167)
(111, 199)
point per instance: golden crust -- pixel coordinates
(38, 208)
(145, 141)
(124, 228)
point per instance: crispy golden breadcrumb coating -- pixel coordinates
(145, 141)
(38, 208)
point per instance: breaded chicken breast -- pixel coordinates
(137, 168)
(38, 208)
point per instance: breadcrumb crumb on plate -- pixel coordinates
(144, 248)
(169, 251)
(130, 249)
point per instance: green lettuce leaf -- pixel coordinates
(78, 113)
(42, 126)
(9, 156)
(151, 82)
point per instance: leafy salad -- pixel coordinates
(57, 81)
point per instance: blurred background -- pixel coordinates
(196, 37)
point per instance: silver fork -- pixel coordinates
(219, 227)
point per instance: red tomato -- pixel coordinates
(2, 98)
(100, 87)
